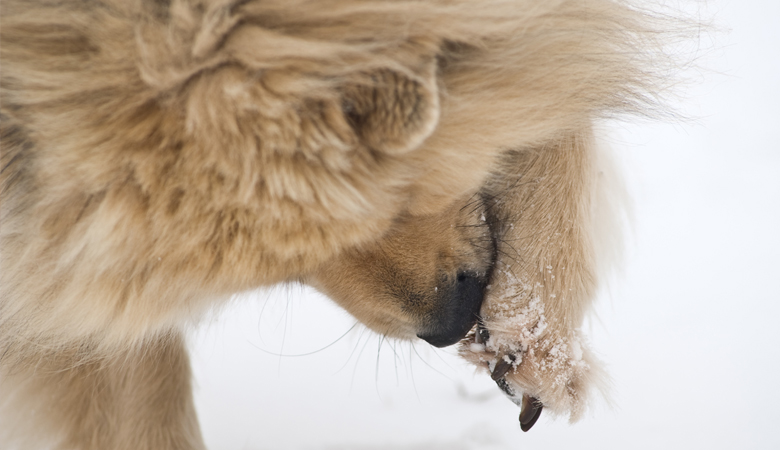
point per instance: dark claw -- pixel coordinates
(529, 412)
(482, 333)
(502, 367)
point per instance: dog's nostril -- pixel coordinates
(457, 313)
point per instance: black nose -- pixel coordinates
(458, 312)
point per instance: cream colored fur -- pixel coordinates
(158, 157)
(541, 291)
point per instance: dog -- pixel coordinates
(429, 165)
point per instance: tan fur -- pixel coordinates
(158, 157)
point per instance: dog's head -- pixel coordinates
(433, 170)
(426, 164)
(492, 236)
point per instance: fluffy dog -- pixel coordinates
(427, 164)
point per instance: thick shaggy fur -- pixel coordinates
(160, 156)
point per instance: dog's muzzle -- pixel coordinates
(458, 314)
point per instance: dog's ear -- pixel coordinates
(393, 110)
(387, 88)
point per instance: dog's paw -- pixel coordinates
(538, 366)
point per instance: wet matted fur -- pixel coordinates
(424, 163)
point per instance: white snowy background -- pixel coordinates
(690, 333)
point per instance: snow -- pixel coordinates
(689, 331)
(476, 348)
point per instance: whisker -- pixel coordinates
(376, 368)
(352, 353)
(427, 364)
(411, 372)
(282, 355)
(357, 361)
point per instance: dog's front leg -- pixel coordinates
(544, 279)
(135, 399)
